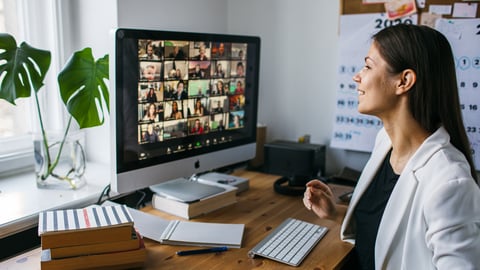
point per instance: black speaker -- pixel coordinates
(297, 163)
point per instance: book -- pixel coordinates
(189, 210)
(113, 260)
(60, 228)
(203, 234)
(98, 248)
(240, 183)
(181, 232)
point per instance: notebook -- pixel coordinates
(179, 232)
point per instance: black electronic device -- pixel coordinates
(182, 103)
(297, 163)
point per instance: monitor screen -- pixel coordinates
(183, 103)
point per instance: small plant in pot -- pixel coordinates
(83, 89)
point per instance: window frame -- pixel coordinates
(43, 32)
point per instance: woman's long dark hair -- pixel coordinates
(428, 53)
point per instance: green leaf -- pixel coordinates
(83, 88)
(21, 69)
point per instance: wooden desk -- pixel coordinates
(261, 210)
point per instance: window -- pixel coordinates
(22, 19)
(15, 142)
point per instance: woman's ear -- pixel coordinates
(406, 81)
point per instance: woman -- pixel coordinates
(151, 96)
(176, 113)
(197, 128)
(417, 203)
(151, 136)
(198, 111)
(219, 73)
(218, 88)
(235, 121)
(151, 114)
(239, 89)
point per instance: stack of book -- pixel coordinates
(102, 237)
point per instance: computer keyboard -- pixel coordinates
(290, 242)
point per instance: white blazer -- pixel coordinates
(432, 219)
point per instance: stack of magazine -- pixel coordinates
(189, 198)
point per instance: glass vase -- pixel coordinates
(60, 166)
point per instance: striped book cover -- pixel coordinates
(85, 218)
(84, 226)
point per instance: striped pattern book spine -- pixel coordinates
(86, 218)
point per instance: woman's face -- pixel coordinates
(174, 106)
(239, 70)
(151, 109)
(375, 85)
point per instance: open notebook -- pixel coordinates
(179, 232)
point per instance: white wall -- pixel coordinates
(175, 15)
(298, 57)
(298, 69)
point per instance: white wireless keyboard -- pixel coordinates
(290, 242)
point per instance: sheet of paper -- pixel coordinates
(429, 19)
(400, 8)
(373, 1)
(440, 9)
(465, 10)
(421, 3)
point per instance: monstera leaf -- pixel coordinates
(83, 88)
(21, 69)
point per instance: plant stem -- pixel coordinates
(51, 166)
(65, 178)
(44, 135)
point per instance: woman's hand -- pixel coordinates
(319, 198)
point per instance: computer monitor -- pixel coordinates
(181, 104)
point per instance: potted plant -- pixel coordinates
(82, 88)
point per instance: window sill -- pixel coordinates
(21, 200)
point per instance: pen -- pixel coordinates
(201, 251)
